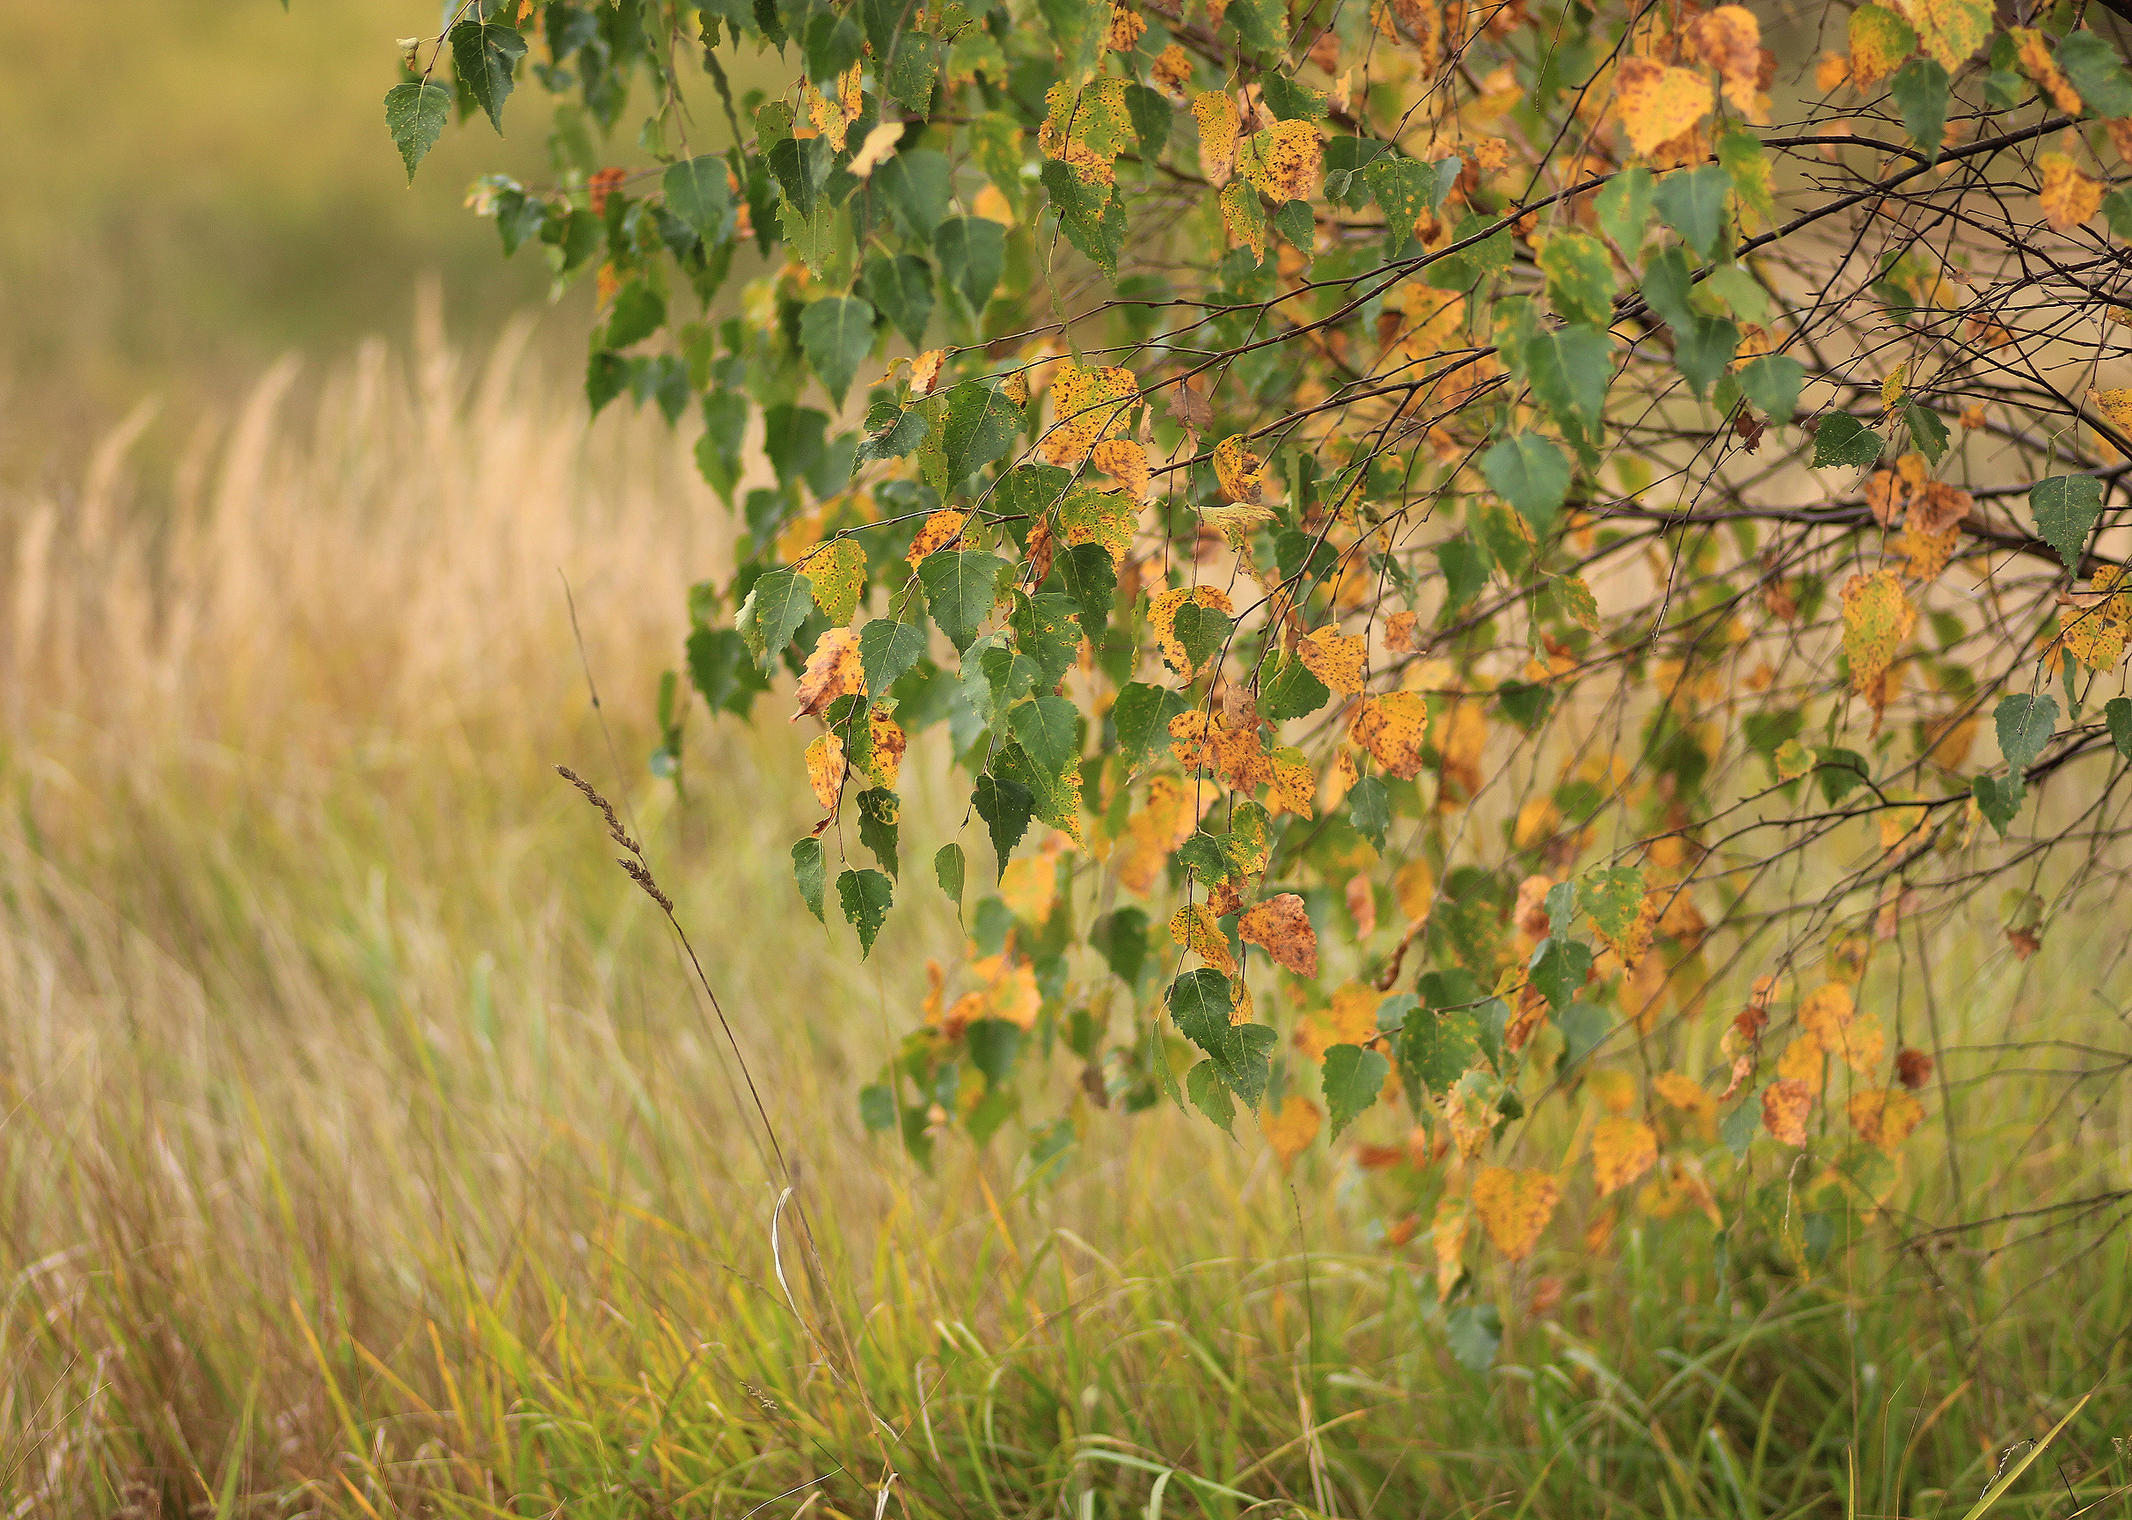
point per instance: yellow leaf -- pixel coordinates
(1295, 785)
(1172, 73)
(1286, 161)
(884, 757)
(1291, 1127)
(1885, 1117)
(1087, 128)
(1792, 760)
(1169, 818)
(825, 768)
(1514, 1207)
(1785, 1104)
(1729, 39)
(2115, 403)
(1216, 114)
(1447, 1239)
(1100, 517)
(1802, 1061)
(1281, 927)
(1242, 473)
(1236, 524)
(833, 671)
(1126, 29)
(835, 572)
(1831, 71)
(1333, 659)
(1880, 41)
(938, 531)
(1877, 617)
(1414, 885)
(1391, 727)
(1125, 462)
(1689, 1096)
(1350, 1020)
(1950, 30)
(2033, 49)
(1614, 1089)
(1658, 103)
(1623, 1149)
(1087, 406)
(1193, 926)
(1891, 387)
(2068, 197)
(1244, 217)
(879, 144)
(1030, 885)
(1829, 1015)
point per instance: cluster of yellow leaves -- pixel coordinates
(1088, 405)
(1831, 1019)
(1236, 754)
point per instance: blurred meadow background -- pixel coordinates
(368, 1149)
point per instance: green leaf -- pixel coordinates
(865, 897)
(916, 185)
(2117, 713)
(1203, 631)
(484, 54)
(1048, 729)
(973, 255)
(1772, 383)
(1927, 431)
(1142, 716)
(722, 668)
(415, 115)
(2092, 63)
(961, 586)
(1091, 216)
(880, 814)
(1559, 969)
(638, 312)
(1352, 1078)
(2066, 507)
(1611, 896)
(1091, 580)
(1121, 938)
(1624, 209)
(807, 871)
(973, 424)
(1580, 277)
(1289, 100)
(1436, 1046)
(1406, 188)
(837, 334)
(1746, 166)
(887, 649)
(696, 192)
(1842, 440)
(1568, 369)
(1531, 474)
(1998, 799)
(1241, 1053)
(1291, 691)
(949, 871)
(1006, 807)
(1369, 809)
(1203, 1085)
(1474, 1332)
(1692, 203)
(776, 606)
(2025, 723)
(1921, 89)
(901, 289)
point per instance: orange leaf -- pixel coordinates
(1291, 1127)
(1785, 1104)
(1333, 658)
(1391, 727)
(1623, 1149)
(1282, 927)
(825, 768)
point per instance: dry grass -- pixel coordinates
(365, 1149)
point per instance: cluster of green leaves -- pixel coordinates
(1488, 406)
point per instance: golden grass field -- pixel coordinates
(366, 1150)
